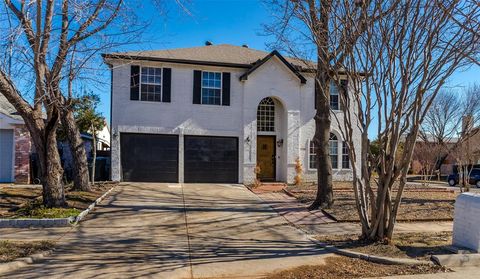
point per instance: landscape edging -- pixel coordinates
(52, 222)
(90, 207)
(21, 262)
(367, 257)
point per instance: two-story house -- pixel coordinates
(211, 114)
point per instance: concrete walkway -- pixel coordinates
(173, 231)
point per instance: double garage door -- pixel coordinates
(155, 158)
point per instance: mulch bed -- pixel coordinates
(419, 203)
(22, 202)
(342, 267)
(11, 250)
(405, 245)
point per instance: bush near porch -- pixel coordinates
(419, 203)
(26, 202)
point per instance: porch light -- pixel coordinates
(280, 142)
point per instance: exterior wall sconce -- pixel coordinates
(247, 140)
(115, 133)
(280, 142)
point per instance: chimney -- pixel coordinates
(467, 124)
(208, 43)
(245, 45)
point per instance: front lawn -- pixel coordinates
(342, 267)
(419, 203)
(11, 250)
(23, 202)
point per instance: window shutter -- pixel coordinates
(197, 87)
(166, 84)
(343, 92)
(226, 89)
(134, 82)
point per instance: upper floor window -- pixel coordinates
(334, 96)
(151, 84)
(266, 115)
(211, 88)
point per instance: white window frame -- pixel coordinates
(161, 85)
(338, 154)
(274, 119)
(333, 83)
(208, 87)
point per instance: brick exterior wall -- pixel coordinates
(23, 147)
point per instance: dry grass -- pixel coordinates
(342, 267)
(27, 202)
(418, 203)
(405, 245)
(11, 250)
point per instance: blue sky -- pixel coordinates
(234, 22)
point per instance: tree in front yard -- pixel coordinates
(50, 43)
(313, 27)
(400, 64)
(90, 121)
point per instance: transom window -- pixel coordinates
(333, 145)
(211, 88)
(151, 84)
(266, 115)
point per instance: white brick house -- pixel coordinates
(212, 113)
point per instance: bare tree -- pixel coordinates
(407, 56)
(311, 27)
(48, 34)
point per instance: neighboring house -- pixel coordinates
(15, 145)
(103, 138)
(213, 113)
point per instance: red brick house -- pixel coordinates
(15, 146)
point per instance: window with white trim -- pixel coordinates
(312, 156)
(345, 156)
(266, 115)
(151, 84)
(333, 146)
(334, 96)
(211, 88)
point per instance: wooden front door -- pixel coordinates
(266, 157)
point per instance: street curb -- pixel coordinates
(52, 222)
(21, 262)
(367, 257)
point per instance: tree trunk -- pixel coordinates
(324, 198)
(77, 148)
(94, 150)
(44, 137)
(52, 173)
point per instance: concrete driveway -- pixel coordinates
(178, 231)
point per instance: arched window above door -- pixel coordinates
(266, 115)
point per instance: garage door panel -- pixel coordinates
(211, 159)
(149, 158)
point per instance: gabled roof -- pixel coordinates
(259, 63)
(7, 109)
(214, 55)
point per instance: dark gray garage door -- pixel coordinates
(211, 159)
(149, 158)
